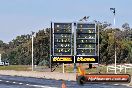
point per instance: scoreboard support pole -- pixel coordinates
(50, 47)
(75, 26)
(63, 68)
(98, 47)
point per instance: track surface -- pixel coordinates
(28, 82)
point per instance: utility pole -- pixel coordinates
(113, 10)
(32, 51)
(0, 57)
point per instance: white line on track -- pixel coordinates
(126, 85)
(116, 84)
(20, 83)
(7, 81)
(42, 86)
(13, 82)
(27, 84)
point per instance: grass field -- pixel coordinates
(16, 67)
(98, 69)
(68, 68)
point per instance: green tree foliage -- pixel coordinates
(19, 51)
(111, 39)
(126, 26)
(42, 47)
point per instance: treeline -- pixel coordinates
(18, 51)
(119, 39)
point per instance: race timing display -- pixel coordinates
(73, 42)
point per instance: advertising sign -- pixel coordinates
(86, 59)
(62, 59)
(111, 78)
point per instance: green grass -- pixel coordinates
(16, 67)
(101, 69)
(68, 69)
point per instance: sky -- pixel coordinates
(19, 17)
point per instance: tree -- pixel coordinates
(126, 26)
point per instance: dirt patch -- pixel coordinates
(47, 75)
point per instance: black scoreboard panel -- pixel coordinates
(86, 43)
(62, 42)
(62, 38)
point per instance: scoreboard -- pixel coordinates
(73, 42)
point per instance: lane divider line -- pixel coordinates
(41, 86)
(13, 82)
(20, 83)
(7, 81)
(27, 84)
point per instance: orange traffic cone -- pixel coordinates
(63, 84)
(81, 70)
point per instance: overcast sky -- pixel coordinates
(23, 16)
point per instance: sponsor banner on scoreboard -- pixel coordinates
(86, 59)
(62, 59)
